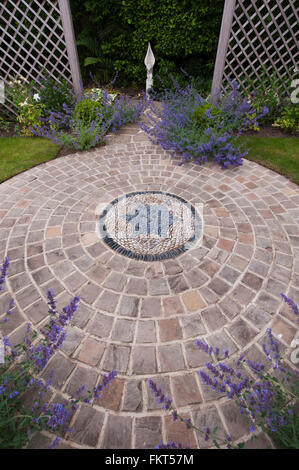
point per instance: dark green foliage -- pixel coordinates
(267, 93)
(289, 120)
(54, 94)
(287, 437)
(114, 34)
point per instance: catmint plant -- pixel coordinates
(216, 137)
(19, 375)
(167, 405)
(66, 128)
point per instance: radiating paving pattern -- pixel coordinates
(142, 318)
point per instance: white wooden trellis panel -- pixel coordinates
(34, 36)
(257, 36)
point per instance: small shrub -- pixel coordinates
(55, 94)
(27, 103)
(289, 119)
(28, 117)
(200, 116)
(87, 111)
(20, 91)
(4, 125)
(266, 93)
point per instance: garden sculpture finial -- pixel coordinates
(149, 62)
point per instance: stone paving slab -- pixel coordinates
(142, 318)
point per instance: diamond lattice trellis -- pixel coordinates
(257, 37)
(34, 36)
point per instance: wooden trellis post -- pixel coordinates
(70, 43)
(227, 20)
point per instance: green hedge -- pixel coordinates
(183, 33)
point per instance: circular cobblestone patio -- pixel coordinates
(142, 318)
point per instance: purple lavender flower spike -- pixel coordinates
(54, 443)
(171, 445)
(51, 302)
(208, 432)
(4, 272)
(105, 382)
(188, 423)
(291, 304)
(166, 401)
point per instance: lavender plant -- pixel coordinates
(20, 374)
(266, 397)
(168, 406)
(82, 132)
(216, 137)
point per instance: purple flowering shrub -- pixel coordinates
(189, 126)
(266, 396)
(76, 130)
(19, 375)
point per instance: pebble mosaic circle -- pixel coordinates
(150, 225)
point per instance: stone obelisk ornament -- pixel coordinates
(149, 62)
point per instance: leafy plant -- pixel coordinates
(200, 116)
(20, 91)
(4, 125)
(82, 136)
(289, 119)
(87, 111)
(91, 39)
(96, 94)
(27, 104)
(28, 117)
(266, 93)
(54, 94)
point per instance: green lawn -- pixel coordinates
(280, 154)
(20, 153)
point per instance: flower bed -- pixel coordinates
(192, 127)
(51, 111)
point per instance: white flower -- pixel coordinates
(36, 97)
